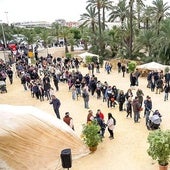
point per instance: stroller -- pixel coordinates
(154, 121)
(3, 87)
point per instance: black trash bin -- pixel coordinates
(66, 158)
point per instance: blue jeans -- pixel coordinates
(147, 114)
(86, 104)
(165, 96)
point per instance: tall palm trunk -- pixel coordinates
(66, 46)
(131, 28)
(103, 25)
(99, 20)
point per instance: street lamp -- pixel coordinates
(6, 13)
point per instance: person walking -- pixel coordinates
(56, 105)
(111, 123)
(68, 120)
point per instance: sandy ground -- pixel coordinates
(128, 150)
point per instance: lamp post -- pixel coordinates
(6, 13)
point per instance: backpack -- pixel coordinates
(114, 121)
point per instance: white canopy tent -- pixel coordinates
(152, 66)
(86, 54)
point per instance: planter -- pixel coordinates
(93, 148)
(163, 167)
(90, 135)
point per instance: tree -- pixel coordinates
(164, 42)
(89, 19)
(145, 41)
(139, 5)
(64, 32)
(97, 4)
(119, 11)
(147, 18)
(106, 5)
(160, 11)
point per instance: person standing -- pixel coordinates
(140, 94)
(56, 81)
(90, 116)
(24, 81)
(159, 85)
(101, 115)
(166, 91)
(137, 74)
(56, 105)
(85, 96)
(148, 108)
(10, 75)
(101, 124)
(123, 67)
(136, 109)
(121, 100)
(68, 120)
(129, 107)
(111, 123)
(119, 65)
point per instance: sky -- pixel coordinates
(38, 10)
(41, 10)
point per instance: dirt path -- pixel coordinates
(128, 150)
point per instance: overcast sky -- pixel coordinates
(41, 10)
(38, 10)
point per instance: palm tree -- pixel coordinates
(131, 26)
(106, 5)
(160, 11)
(119, 11)
(147, 17)
(55, 28)
(89, 19)
(85, 37)
(71, 41)
(64, 32)
(164, 42)
(139, 5)
(145, 41)
(97, 4)
(115, 41)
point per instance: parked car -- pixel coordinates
(12, 46)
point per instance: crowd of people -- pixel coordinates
(49, 72)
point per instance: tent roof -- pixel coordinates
(85, 54)
(152, 66)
